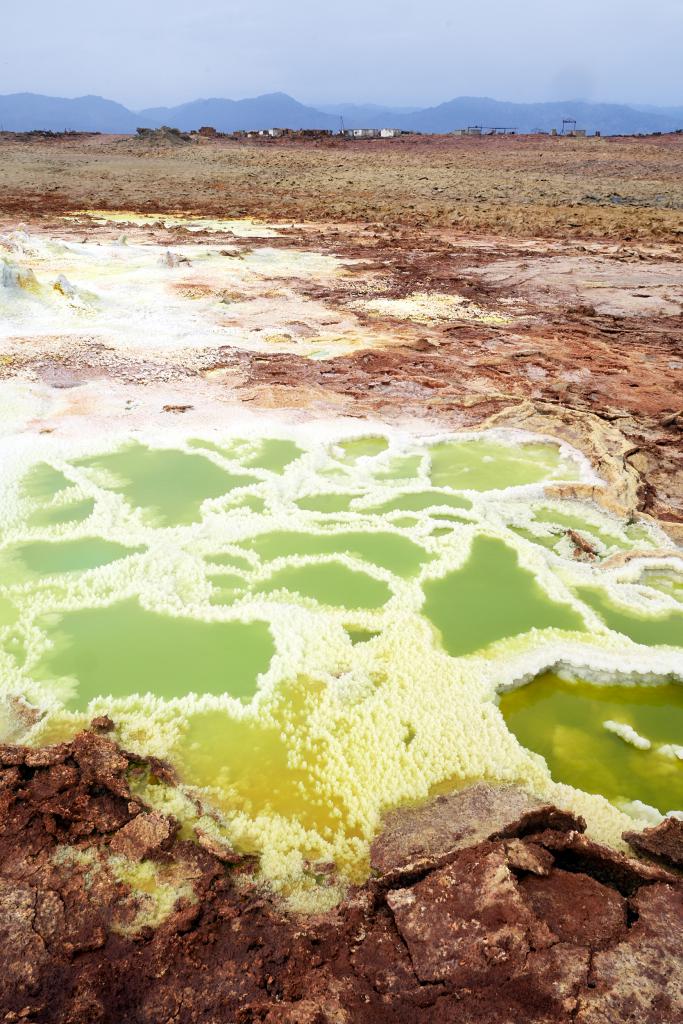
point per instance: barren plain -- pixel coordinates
(424, 284)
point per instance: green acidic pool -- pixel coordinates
(326, 502)
(44, 482)
(644, 629)
(124, 650)
(581, 525)
(362, 447)
(331, 583)
(390, 550)
(492, 597)
(47, 557)
(55, 515)
(169, 485)
(418, 502)
(481, 466)
(563, 721)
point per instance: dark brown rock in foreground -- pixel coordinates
(485, 906)
(664, 841)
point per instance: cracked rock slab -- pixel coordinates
(417, 839)
(144, 836)
(467, 924)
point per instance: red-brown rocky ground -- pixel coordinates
(484, 906)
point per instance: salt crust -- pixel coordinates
(628, 734)
(136, 294)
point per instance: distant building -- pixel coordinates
(362, 133)
(289, 133)
(480, 129)
(207, 132)
(391, 133)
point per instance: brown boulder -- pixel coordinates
(466, 923)
(664, 841)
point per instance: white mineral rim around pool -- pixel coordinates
(301, 571)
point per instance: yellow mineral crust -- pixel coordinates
(431, 307)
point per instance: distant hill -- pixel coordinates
(675, 112)
(274, 110)
(608, 118)
(27, 111)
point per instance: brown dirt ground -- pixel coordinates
(623, 189)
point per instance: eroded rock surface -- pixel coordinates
(419, 839)
(484, 906)
(664, 841)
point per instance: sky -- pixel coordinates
(395, 52)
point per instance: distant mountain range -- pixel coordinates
(28, 111)
(25, 111)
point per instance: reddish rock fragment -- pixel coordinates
(581, 545)
(144, 836)
(466, 923)
(39, 757)
(527, 857)
(101, 762)
(664, 841)
(576, 908)
(163, 771)
(102, 723)
(640, 980)
(579, 853)
(46, 784)
(418, 839)
(10, 778)
(545, 816)
(219, 848)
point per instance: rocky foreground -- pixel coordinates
(482, 906)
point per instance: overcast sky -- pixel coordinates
(400, 52)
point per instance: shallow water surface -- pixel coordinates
(124, 650)
(490, 598)
(169, 485)
(563, 721)
(644, 629)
